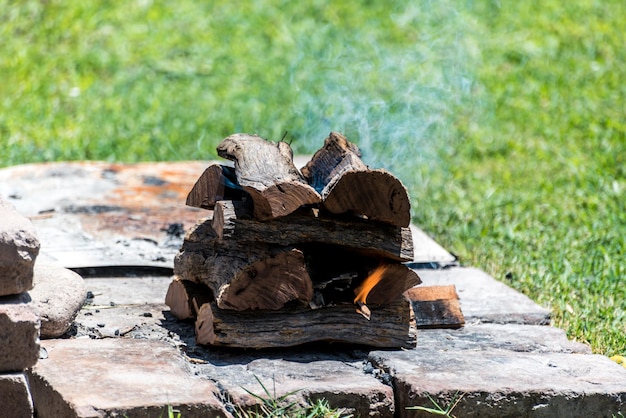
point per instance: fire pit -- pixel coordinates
(292, 256)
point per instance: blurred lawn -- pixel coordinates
(504, 119)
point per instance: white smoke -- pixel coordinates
(396, 103)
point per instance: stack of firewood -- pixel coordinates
(292, 256)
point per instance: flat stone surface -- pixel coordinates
(57, 296)
(504, 383)
(309, 374)
(484, 299)
(124, 290)
(428, 251)
(137, 378)
(15, 400)
(513, 337)
(19, 334)
(19, 247)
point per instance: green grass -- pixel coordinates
(504, 119)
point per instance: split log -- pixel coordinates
(347, 185)
(217, 182)
(185, 298)
(266, 171)
(233, 220)
(394, 280)
(389, 326)
(436, 306)
(243, 275)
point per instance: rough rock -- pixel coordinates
(124, 377)
(19, 247)
(57, 296)
(19, 334)
(14, 396)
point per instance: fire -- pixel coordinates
(368, 284)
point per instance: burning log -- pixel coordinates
(388, 327)
(347, 185)
(266, 171)
(233, 220)
(218, 182)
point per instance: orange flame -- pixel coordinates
(369, 283)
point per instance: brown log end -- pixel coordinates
(436, 307)
(269, 284)
(178, 300)
(395, 280)
(216, 183)
(281, 199)
(185, 297)
(205, 332)
(375, 194)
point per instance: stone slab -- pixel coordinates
(313, 373)
(57, 296)
(19, 334)
(428, 251)
(120, 290)
(308, 374)
(116, 377)
(504, 383)
(513, 337)
(15, 400)
(19, 247)
(484, 299)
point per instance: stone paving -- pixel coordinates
(136, 359)
(126, 355)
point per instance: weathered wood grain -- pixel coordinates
(388, 327)
(233, 220)
(266, 171)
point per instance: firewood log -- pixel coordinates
(185, 297)
(242, 275)
(436, 306)
(233, 220)
(266, 171)
(388, 327)
(217, 182)
(347, 185)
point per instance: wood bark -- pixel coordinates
(185, 298)
(347, 185)
(388, 327)
(266, 171)
(217, 182)
(233, 220)
(436, 306)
